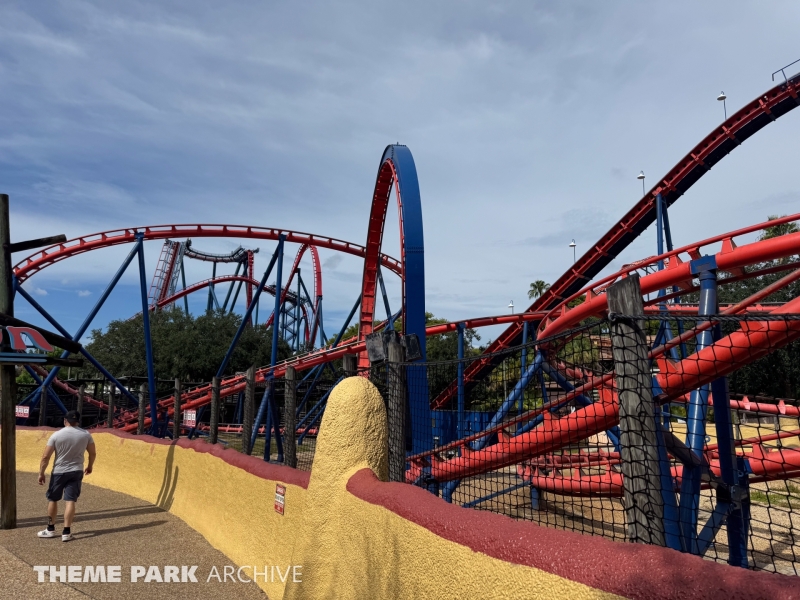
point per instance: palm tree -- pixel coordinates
(538, 288)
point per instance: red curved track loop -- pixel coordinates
(295, 267)
(713, 148)
(754, 340)
(377, 218)
(228, 278)
(58, 252)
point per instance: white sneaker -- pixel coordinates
(46, 533)
(65, 537)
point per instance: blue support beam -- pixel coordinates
(277, 257)
(696, 412)
(98, 305)
(66, 334)
(148, 342)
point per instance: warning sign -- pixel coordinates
(280, 498)
(190, 418)
(23, 412)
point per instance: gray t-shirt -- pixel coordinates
(70, 444)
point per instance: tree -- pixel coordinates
(537, 289)
(778, 230)
(187, 347)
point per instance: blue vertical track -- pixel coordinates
(148, 342)
(414, 308)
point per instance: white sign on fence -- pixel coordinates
(190, 418)
(23, 412)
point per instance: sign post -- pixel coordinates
(8, 384)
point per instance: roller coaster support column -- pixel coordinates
(123, 390)
(643, 501)
(148, 342)
(276, 257)
(88, 321)
(8, 384)
(460, 422)
(733, 496)
(705, 269)
(523, 363)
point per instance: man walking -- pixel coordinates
(69, 444)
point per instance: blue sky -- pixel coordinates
(528, 121)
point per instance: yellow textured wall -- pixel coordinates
(231, 508)
(350, 548)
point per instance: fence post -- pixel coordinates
(110, 417)
(43, 407)
(349, 365)
(643, 501)
(176, 414)
(213, 433)
(79, 404)
(248, 411)
(290, 399)
(396, 412)
(140, 426)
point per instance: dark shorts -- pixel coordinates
(67, 484)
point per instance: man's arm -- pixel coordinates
(48, 452)
(92, 450)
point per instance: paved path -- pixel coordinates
(110, 529)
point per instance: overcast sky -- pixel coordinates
(528, 122)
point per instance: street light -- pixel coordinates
(511, 306)
(641, 176)
(572, 245)
(721, 98)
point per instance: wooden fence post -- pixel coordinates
(248, 410)
(79, 404)
(643, 502)
(110, 418)
(396, 411)
(289, 422)
(213, 434)
(176, 414)
(349, 365)
(43, 407)
(8, 383)
(142, 405)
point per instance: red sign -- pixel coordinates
(23, 412)
(280, 498)
(190, 418)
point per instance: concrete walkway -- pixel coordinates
(110, 529)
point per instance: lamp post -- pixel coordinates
(573, 245)
(722, 98)
(511, 306)
(641, 176)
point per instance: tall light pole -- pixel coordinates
(641, 176)
(572, 245)
(511, 306)
(722, 98)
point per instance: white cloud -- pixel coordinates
(40, 291)
(84, 293)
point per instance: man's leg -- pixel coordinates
(52, 512)
(69, 513)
